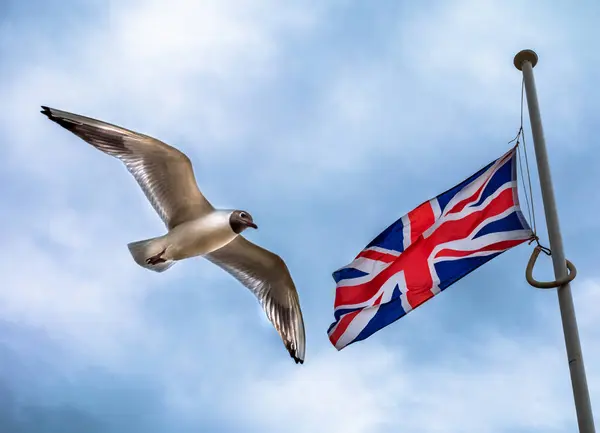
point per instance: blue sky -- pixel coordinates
(327, 121)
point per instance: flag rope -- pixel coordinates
(531, 214)
(521, 135)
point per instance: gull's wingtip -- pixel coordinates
(46, 111)
(297, 355)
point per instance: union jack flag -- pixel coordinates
(427, 250)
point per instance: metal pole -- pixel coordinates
(525, 61)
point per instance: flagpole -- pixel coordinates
(525, 61)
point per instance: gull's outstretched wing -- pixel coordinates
(268, 277)
(164, 173)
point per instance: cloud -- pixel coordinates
(493, 382)
(440, 80)
(327, 122)
(179, 78)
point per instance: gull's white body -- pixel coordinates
(198, 237)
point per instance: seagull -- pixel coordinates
(194, 226)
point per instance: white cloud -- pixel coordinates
(74, 284)
(443, 76)
(492, 383)
(188, 72)
(172, 69)
(464, 50)
(179, 70)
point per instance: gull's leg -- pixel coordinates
(156, 259)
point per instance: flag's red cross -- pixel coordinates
(414, 261)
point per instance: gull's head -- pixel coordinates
(240, 220)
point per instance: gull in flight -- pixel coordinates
(194, 226)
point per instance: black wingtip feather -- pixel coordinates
(46, 111)
(292, 353)
(65, 123)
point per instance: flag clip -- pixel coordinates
(549, 284)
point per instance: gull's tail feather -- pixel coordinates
(141, 251)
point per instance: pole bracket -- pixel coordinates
(547, 284)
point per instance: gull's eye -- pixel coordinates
(243, 215)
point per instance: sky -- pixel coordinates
(327, 120)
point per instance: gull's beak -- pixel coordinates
(251, 224)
